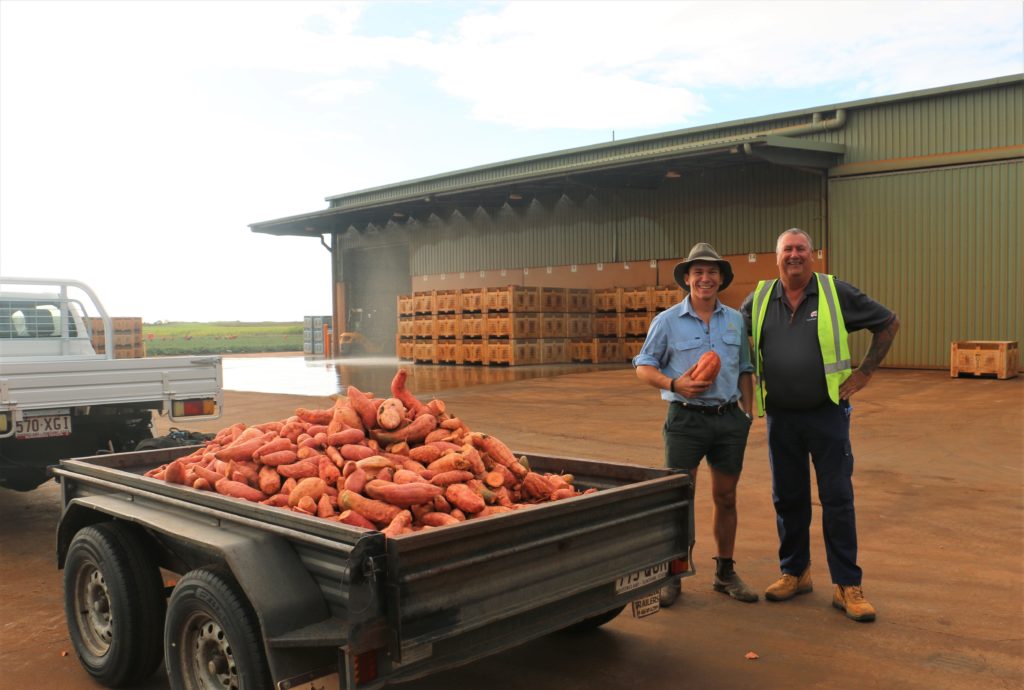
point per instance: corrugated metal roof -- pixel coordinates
(488, 185)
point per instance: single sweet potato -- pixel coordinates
(269, 480)
(351, 517)
(450, 477)
(402, 495)
(300, 470)
(390, 414)
(313, 487)
(377, 512)
(229, 487)
(400, 524)
(464, 498)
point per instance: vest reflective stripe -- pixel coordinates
(832, 336)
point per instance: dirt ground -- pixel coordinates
(939, 478)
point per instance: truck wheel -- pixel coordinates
(212, 637)
(594, 622)
(114, 604)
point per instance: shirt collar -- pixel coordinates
(688, 307)
(810, 289)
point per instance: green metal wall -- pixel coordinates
(941, 247)
(738, 209)
(943, 123)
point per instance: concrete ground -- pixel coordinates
(939, 485)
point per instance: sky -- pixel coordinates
(138, 140)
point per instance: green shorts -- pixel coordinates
(691, 435)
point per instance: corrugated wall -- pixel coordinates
(958, 121)
(941, 247)
(738, 209)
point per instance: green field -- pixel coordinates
(221, 337)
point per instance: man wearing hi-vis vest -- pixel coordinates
(799, 325)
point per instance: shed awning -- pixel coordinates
(634, 164)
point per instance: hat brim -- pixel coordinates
(683, 266)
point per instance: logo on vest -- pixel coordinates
(813, 316)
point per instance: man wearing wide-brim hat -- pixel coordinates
(706, 419)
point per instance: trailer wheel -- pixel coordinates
(212, 637)
(594, 622)
(114, 604)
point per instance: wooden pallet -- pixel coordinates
(473, 352)
(405, 305)
(447, 302)
(608, 299)
(580, 300)
(579, 326)
(637, 298)
(554, 300)
(554, 351)
(665, 296)
(448, 326)
(471, 300)
(449, 352)
(610, 325)
(553, 325)
(637, 324)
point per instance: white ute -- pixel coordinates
(59, 399)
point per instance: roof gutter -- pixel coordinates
(817, 124)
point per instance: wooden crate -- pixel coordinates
(473, 352)
(579, 300)
(609, 325)
(448, 326)
(471, 300)
(553, 325)
(405, 305)
(631, 348)
(636, 324)
(582, 350)
(449, 352)
(406, 325)
(423, 302)
(447, 302)
(608, 299)
(125, 338)
(554, 351)
(554, 299)
(637, 298)
(512, 352)
(424, 351)
(424, 327)
(665, 296)
(405, 349)
(511, 325)
(472, 326)
(579, 326)
(511, 298)
(999, 358)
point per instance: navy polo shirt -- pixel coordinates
(793, 368)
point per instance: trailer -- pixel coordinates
(233, 594)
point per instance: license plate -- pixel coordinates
(645, 606)
(43, 426)
(628, 583)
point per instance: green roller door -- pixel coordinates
(941, 247)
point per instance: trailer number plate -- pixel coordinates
(628, 583)
(43, 426)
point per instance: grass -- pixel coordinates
(221, 337)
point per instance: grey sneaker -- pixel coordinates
(735, 587)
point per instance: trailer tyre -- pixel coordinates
(594, 622)
(212, 637)
(114, 603)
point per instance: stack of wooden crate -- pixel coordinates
(620, 321)
(514, 325)
(126, 338)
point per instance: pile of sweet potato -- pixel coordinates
(391, 464)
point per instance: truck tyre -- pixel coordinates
(114, 603)
(212, 636)
(594, 622)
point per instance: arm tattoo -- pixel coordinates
(880, 344)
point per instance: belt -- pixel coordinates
(706, 409)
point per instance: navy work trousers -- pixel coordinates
(823, 434)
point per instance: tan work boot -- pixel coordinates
(851, 599)
(788, 586)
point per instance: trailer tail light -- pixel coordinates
(679, 565)
(5, 422)
(364, 666)
(196, 407)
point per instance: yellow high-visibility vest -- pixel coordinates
(832, 336)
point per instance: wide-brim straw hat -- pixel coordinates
(702, 251)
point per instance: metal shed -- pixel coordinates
(914, 197)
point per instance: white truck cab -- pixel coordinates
(59, 398)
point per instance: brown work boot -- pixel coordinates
(788, 586)
(851, 599)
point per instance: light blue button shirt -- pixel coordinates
(678, 337)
